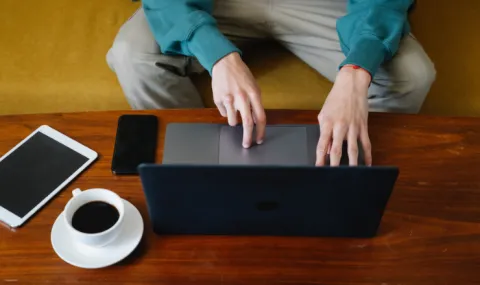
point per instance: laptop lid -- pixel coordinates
(267, 200)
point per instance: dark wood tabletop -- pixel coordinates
(430, 233)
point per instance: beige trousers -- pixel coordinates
(152, 80)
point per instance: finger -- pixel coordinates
(231, 112)
(243, 105)
(366, 146)
(339, 133)
(221, 108)
(352, 146)
(259, 117)
(323, 144)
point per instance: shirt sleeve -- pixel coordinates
(187, 27)
(371, 31)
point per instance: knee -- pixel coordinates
(134, 39)
(422, 74)
(414, 74)
(121, 53)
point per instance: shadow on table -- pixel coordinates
(137, 253)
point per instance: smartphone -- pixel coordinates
(135, 143)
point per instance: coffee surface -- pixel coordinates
(95, 217)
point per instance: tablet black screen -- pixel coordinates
(33, 171)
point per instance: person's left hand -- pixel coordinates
(345, 116)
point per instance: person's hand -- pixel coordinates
(234, 89)
(345, 116)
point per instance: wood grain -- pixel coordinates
(430, 233)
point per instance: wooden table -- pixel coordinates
(430, 233)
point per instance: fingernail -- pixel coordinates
(259, 142)
(245, 145)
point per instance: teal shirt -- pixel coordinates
(369, 34)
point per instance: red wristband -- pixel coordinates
(353, 66)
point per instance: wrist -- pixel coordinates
(356, 75)
(231, 57)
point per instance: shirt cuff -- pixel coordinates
(368, 53)
(209, 45)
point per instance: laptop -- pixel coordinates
(211, 192)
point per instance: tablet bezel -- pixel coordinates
(15, 221)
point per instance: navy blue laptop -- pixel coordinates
(267, 200)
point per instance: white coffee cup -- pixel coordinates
(79, 199)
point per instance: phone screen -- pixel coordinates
(135, 143)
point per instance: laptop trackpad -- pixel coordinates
(282, 146)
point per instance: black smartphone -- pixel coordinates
(135, 143)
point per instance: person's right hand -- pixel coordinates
(234, 89)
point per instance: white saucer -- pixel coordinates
(88, 257)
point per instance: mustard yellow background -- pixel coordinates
(52, 59)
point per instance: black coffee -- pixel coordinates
(95, 217)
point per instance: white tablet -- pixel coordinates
(35, 170)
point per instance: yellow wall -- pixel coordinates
(52, 55)
(450, 32)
